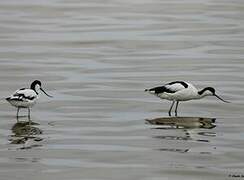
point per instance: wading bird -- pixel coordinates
(26, 97)
(181, 91)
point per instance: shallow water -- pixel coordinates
(96, 58)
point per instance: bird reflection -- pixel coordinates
(25, 132)
(182, 122)
(174, 150)
(187, 126)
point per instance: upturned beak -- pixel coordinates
(45, 93)
(221, 98)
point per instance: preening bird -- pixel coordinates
(26, 97)
(181, 91)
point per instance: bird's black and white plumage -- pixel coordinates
(26, 97)
(181, 91)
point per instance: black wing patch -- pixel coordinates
(25, 97)
(180, 82)
(14, 99)
(20, 97)
(161, 89)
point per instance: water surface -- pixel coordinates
(96, 58)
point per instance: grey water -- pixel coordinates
(96, 58)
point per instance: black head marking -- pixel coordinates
(34, 83)
(212, 90)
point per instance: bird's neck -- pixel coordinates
(202, 93)
(35, 89)
(32, 86)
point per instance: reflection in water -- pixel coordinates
(186, 124)
(183, 122)
(186, 137)
(27, 159)
(211, 134)
(25, 132)
(174, 150)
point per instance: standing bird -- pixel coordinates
(181, 91)
(26, 97)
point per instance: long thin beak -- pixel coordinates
(45, 93)
(221, 98)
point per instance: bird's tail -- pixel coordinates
(151, 91)
(8, 98)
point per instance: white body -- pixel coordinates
(23, 98)
(181, 93)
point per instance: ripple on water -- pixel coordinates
(97, 58)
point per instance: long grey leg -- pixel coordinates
(29, 112)
(176, 107)
(29, 116)
(171, 108)
(17, 115)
